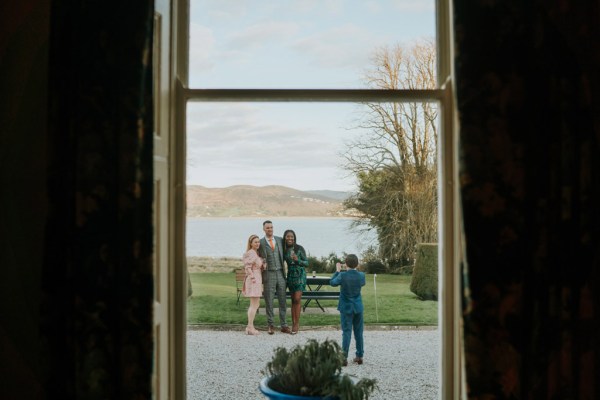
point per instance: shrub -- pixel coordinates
(314, 264)
(424, 281)
(324, 264)
(405, 270)
(315, 369)
(375, 267)
(370, 254)
(333, 259)
(371, 263)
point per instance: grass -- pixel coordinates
(214, 302)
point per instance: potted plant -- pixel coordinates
(312, 371)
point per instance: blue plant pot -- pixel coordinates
(271, 394)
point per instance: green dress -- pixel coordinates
(296, 274)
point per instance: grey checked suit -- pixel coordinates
(274, 278)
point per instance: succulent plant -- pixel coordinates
(315, 369)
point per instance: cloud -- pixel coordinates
(220, 10)
(238, 142)
(258, 35)
(301, 177)
(202, 43)
(413, 5)
(339, 47)
(334, 7)
(373, 7)
(296, 43)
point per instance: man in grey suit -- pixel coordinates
(271, 249)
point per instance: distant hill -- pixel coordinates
(260, 201)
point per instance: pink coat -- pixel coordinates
(253, 266)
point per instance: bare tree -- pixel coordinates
(394, 159)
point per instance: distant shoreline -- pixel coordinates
(213, 264)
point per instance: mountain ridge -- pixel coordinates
(262, 201)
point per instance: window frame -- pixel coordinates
(449, 253)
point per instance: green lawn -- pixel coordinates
(214, 302)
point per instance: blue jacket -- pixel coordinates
(351, 282)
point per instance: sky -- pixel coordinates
(306, 44)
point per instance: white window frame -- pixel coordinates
(451, 363)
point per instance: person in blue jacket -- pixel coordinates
(350, 305)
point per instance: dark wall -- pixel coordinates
(23, 121)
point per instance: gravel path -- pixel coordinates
(228, 364)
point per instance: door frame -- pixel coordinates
(451, 362)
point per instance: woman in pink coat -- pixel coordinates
(253, 265)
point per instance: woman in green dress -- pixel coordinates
(297, 261)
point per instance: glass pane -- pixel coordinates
(301, 43)
(294, 163)
(247, 162)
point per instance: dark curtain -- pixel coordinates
(528, 95)
(97, 274)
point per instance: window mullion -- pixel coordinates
(312, 95)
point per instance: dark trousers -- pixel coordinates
(352, 322)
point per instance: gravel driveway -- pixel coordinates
(228, 364)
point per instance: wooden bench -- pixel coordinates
(307, 295)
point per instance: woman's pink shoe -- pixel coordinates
(252, 331)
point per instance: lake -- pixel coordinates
(227, 237)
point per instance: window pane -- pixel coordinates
(287, 162)
(279, 160)
(302, 43)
